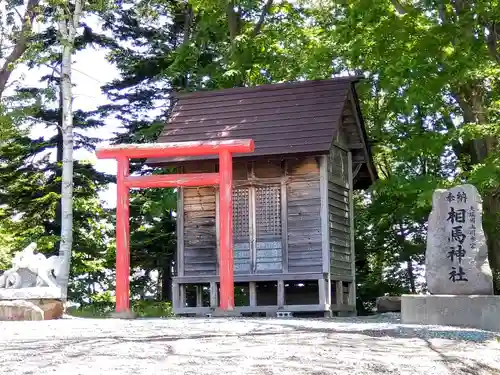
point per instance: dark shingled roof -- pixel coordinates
(288, 118)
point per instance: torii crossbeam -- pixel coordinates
(123, 153)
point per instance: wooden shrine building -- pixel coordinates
(292, 197)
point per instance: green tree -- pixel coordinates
(174, 46)
(16, 26)
(165, 47)
(30, 172)
(31, 169)
(431, 97)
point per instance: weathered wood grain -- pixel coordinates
(268, 169)
(200, 242)
(352, 286)
(340, 228)
(304, 217)
(298, 243)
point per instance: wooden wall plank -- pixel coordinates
(304, 224)
(180, 232)
(252, 289)
(182, 295)
(322, 291)
(200, 232)
(281, 293)
(267, 169)
(240, 171)
(303, 166)
(214, 295)
(284, 219)
(199, 296)
(341, 229)
(217, 231)
(325, 217)
(176, 295)
(339, 293)
(352, 291)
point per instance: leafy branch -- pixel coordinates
(21, 44)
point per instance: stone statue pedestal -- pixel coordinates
(42, 292)
(31, 303)
(29, 289)
(469, 311)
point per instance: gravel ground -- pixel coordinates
(244, 346)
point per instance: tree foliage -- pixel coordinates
(31, 166)
(430, 98)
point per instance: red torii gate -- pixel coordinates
(123, 153)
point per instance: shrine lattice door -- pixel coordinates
(257, 229)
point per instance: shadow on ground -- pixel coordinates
(370, 345)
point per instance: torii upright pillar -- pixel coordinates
(123, 153)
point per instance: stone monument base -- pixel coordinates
(469, 311)
(388, 304)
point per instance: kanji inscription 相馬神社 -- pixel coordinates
(456, 254)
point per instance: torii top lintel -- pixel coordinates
(173, 149)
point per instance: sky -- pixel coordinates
(91, 70)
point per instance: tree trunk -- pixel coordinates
(58, 176)
(491, 211)
(233, 21)
(166, 282)
(67, 28)
(411, 275)
(67, 169)
(471, 100)
(235, 24)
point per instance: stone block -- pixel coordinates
(20, 310)
(469, 311)
(388, 304)
(128, 314)
(219, 313)
(52, 309)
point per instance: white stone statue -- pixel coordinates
(31, 270)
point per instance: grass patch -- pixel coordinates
(143, 309)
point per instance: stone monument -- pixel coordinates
(458, 274)
(32, 279)
(456, 258)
